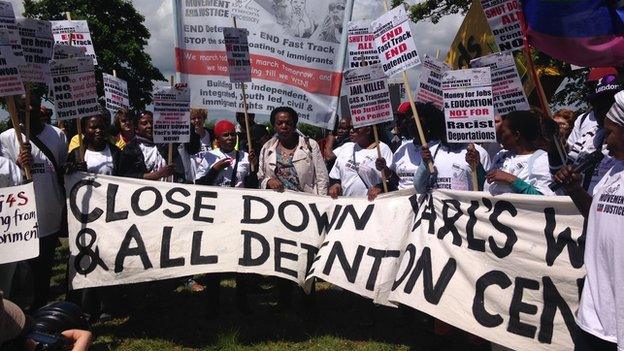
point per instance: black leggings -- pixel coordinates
(41, 267)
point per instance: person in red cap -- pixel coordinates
(224, 166)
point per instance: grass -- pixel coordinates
(166, 316)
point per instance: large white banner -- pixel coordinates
(463, 257)
(75, 32)
(19, 238)
(37, 44)
(296, 51)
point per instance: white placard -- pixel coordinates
(361, 44)
(115, 93)
(37, 43)
(468, 106)
(74, 88)
(503, 18)
(430, 82)
(394, 41)
(64, 51)
(10, 78)
(19, 239)
(172, 114)
(368, 96)
(237, 52)
(7, 21)
(80, 35)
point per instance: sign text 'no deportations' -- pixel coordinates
(468, 105)
(361, 44)
(368, 96)
(19, 239)
(172, 114)
(74, 88)
(507, 91)
(296, 54)
(454, 255)
(116, 93)
(394, 41)
(80, 35)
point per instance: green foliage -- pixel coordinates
(434, 10)
(119, 38)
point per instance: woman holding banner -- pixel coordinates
(601, 313)
(521, 167)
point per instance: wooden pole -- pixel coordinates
(437, 54)
(170, 153)
(81, 146)
(384, 182)
(408, 89)
(245, 111)
(115, 73)
(27, 112)
(18, 130)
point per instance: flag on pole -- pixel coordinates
(580, 32)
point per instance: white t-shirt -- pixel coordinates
(153, 159)
(10, 174)
(405, 163)
(225, 176)
(601, 310)
(533, 169)
(99, 162)
(355, 168)
(453, 170)
(49, 199)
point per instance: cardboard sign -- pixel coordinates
(80, 35)
(430, 83)
(7, 22)
(116, 93)
(468, 106)
(368, 96)
(360, 45)
(19, 238)
(508, 94)
(37, 43)
(237, 51)
(63, 51)
(172, 114)
(74, 88)
(503, 19)
(394, 41)
(10, 78)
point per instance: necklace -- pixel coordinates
(286, 153)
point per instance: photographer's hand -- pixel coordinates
(80, 338)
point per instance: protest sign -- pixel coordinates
(296, 52)
(37, 43)
(7, 22)
(360, 45)
(74, 88)
(468, 106)
(368, 96)
(237, 51)
(503, 19)
(10, 79)
(80, 35)
(454, 255)
(115, 93)
(507, 92)
(394, 41)
(172, 114)
(19, 239)
(430, 82)
(63, 51)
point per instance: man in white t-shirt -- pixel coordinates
(48, 152)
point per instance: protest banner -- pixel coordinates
(430, 82)
(237, 52)
(368, 96)
(7, 22)
(37, 44)
(507, 92)
(296, 52)
(115, 93)
(454, 255)
(473, 39)
(394, 41)
(74, 87)
(19, 239)
(10, 79)
(504, 22)
(172, 114)
(75, 33)
(360, 45)
(63, 51)
(468, 106)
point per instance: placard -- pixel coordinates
(10, 78)
(172, 114)
(430, 82)
(64, 51)
(360, 44)
(368, 96)
(7, 21)
(19, 239)
(80, 35)
(468, 106)
(115, 93)
(74, 88)
(394, 41)
(508, 94)
(37, 43)
(503, 18)
(237, 52)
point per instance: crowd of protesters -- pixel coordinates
(526, 160)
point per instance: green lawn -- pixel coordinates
(166, 316)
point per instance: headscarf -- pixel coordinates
(223, 126)
(616, 113)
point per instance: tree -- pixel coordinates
(572, 92)
(119, 38)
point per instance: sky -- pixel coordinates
(159, 21)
